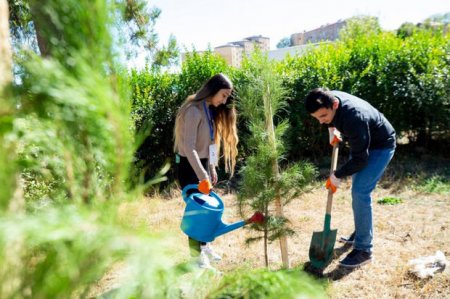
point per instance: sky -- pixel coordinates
(203, 23)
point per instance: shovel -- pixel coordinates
(322, 243)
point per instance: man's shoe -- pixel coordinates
(209, 251)
(348, 240)
(356, 258)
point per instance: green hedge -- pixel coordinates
(407, 78)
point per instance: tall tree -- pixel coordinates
(406, 30)
(443, 18)
(359, 26)
(284, 43)
(133, 25)
(77, 97)
(5, 48)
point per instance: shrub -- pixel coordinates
(263, 283)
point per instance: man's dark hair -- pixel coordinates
(318, 98)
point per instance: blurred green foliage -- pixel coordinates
(64, 252)
(69, 145)
(72, 125)
(263, 283)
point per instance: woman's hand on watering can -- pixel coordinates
(257, 218)
(213, 175)
(205, 186)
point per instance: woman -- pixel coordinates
(205, 123)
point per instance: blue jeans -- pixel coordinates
(363, 183)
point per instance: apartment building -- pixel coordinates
(233, 52)
(328, 32)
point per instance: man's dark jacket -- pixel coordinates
(364, 127)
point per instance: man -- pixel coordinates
(372, 145)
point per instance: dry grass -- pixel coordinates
(417, 227)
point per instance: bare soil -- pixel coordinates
(417, 227)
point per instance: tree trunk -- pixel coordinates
(36, 15)
(276, 173)
(8, 178)
(266, 255)
(5, 47)
(11, 193)
(42, 43)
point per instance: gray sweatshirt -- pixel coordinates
(195, 137)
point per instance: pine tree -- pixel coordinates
(265, 184)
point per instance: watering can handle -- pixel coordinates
(186, 189)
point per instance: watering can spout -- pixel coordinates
(224, 228)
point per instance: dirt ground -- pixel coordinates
(417, 227)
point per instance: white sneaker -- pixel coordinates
(203, 261)
(207, 249)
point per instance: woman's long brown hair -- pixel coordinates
(225, 116)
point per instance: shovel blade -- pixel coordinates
(321, 249)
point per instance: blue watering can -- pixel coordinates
(202, 219)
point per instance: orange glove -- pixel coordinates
(335, 136)
(205, 186)
(333, 183)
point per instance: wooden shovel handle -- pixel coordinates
(334, 159)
